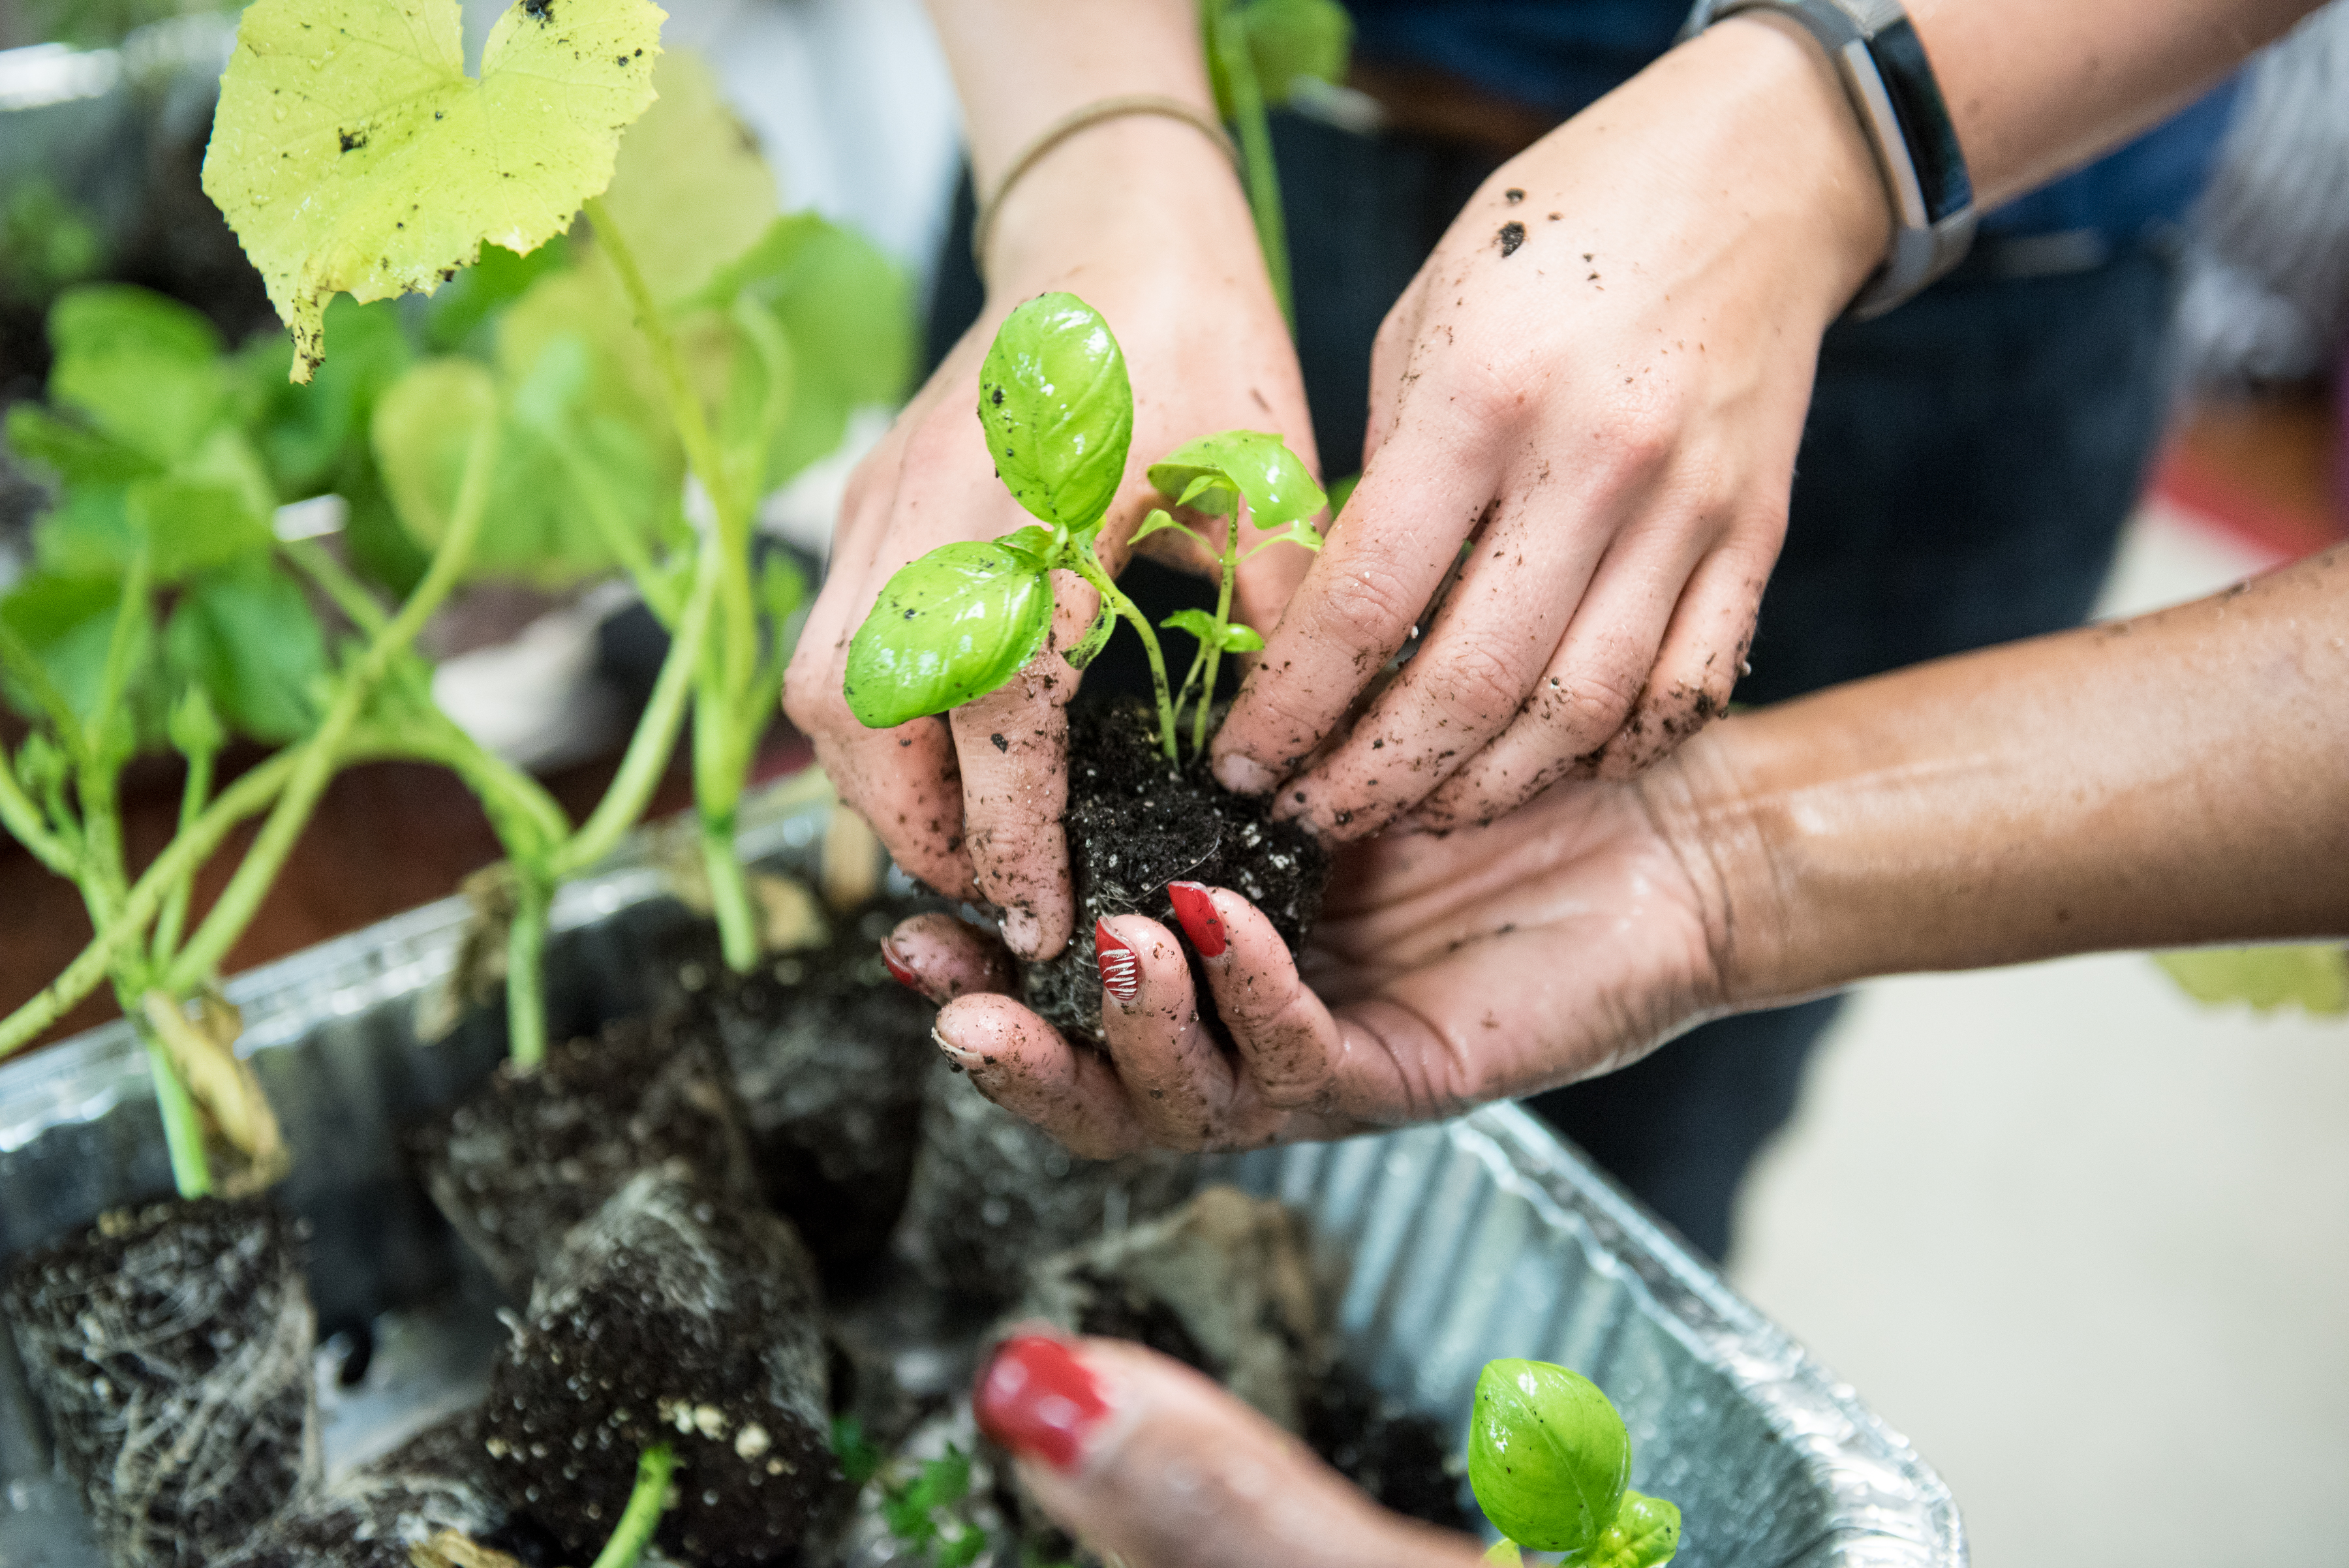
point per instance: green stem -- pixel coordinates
(183, 1125)
(525, 972)
(193, 800)
(120, 643)
(1215, 651)
(318, 755)
(642, 1515)
(656, 738)
(21, 819)
(1089, 567)
(348, 594)
(1256, 151)
(25, 665)
(730, 894)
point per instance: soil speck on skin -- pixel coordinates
(1513, 195)
(1511, 236)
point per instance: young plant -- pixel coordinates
(911, 1506)
(1058, 411)
(1548, 1458)
(1265, 52)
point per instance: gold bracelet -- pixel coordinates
(1077, 119)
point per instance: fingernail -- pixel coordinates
(1244, 775)
(898, 969)
(1120, 967)
(962, 1060)
(1023, 933)
(1196, 910)
(1039, 1401)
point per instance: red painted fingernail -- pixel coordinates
(1120, 969)
(1038, 1400)
(897, 968)
(1196, 910)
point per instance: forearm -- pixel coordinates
(1021, 64)
(2180, 778)
(2036, 89)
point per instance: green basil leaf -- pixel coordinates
(1159, 520)
(952, 625)
(244, 634)
(1646, 1534)
(1239, 639)
(1278, 486)
(1032, 542)
(1298, 533)
(1342, 491)
(1089, 646)
(1548, 1455)
(1058, 409)
(147, 370)
(1231, 637)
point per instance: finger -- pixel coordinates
(1480, 661)
(1175, 1079)
(1581, 701)
(1013, 745)
(1697, 668)
(1288, 1042)
(1359, 599)
(1142, 1457)
(944, 958)
(1025, 1065)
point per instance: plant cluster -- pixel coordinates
(585, 399)
(912, 1504)
(1057, 407)
(1548, 1458)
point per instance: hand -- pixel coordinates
(1138, 1456)
(1447, 970)
(971, 804)
(1596, 384)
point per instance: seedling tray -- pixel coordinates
(1480, 1238)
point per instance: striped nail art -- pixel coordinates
(1121, 967)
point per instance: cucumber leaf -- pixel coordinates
(352, 153)
(952, 625)
(689, 190)
(1058, 409)
(245, 637)
(146, 371)
(67, 623)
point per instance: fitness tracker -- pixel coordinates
(1884, 73)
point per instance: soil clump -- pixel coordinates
(171, 1346)
(519, 1162)
(671, 1316)
(1135, 825)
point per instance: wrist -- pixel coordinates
(1791, 105)
(1702, 801)
(1130, 191)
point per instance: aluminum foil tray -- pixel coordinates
(1482, 1238)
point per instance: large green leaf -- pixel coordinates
(245, 636)
(689, 190)
(846, 310)
(74, 452)
(1278, 486)
(147, 370)
(476, 294)
(351, 152)
(1058, 409)
(952, 625)
(67, 622)
(1548, 1455)
(310, 432)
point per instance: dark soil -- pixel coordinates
(172, 1349)
(1134, 826)
(992, 1194)
(829, 1054)
(1400, 1458)
(671, 1317)
(430, 1483)
(520, 1161)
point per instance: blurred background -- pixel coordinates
(2085, 1239)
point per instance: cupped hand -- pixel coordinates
(1140, 1457)
(971, 802)
(1447, 971)
(1588, 402)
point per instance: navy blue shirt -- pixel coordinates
(1559, 56)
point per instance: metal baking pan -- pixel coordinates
(1481, 1238)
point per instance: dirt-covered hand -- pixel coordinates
(971, 802)
(1447, 970)
(1144, 1460)
(1588, 402)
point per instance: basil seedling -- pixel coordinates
(1548, 1458)
(1058, 412)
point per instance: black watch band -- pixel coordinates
(1882, 63)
